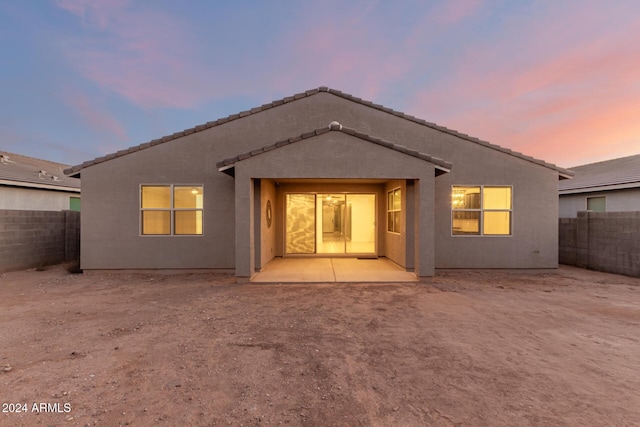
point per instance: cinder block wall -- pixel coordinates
(37, 238)
(567, 238)
(604, 241)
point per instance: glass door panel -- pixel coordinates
(301, 223)
(361, 223)
(331, 227)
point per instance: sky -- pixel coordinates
(558, 80)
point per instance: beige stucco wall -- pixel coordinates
(534, 239)
(267, 233)
(616, 201)
(33, 199)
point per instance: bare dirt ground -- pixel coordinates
(462, 349)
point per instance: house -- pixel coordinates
(315, 174)
(608, 186)
(37, 185)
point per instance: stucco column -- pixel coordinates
(425, 227)
(410, 226)
(245, 262)
(257, 231)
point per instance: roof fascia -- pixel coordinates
(39, 186)
(594, 189)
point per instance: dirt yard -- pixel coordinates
(461, 349)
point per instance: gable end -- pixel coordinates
(75, 170)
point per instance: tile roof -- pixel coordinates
(618, 173)
(30, 172)
(335, 126)
(564, 173)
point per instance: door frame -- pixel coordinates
(345, 254)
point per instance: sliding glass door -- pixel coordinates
(300, 223)
(330, 223)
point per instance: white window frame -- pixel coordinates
(172, 210)
(390, 209)
(596, 197)
(482, 210)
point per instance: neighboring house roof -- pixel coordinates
(564, 173)
(613, 174)
(440, 164)
(23, 171)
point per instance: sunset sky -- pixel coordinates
(557, 80)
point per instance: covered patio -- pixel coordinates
(334, 160)
(323, 270)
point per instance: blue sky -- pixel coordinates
(556, 80)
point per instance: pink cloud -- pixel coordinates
(143, 55)
(453, 12)
(95, 116)
(77, 7)
(571, 98)
(536, 84)
(93, 12)
(345, 55)
(595, 132)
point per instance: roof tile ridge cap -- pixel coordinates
(447, 130)
(398, 113)
(210, 124)
(440, 159)
(167, 138)
(70, 170)
(362, 135)
(11, 154)
(308, 134)
(440, 128)
(607, 161)
(505, 150)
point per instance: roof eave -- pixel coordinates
(39, 186)
(599, 188)
(567, 174)
(72, 173)
(442, 170)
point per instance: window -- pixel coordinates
(171, 209)
(74, 203)
(597, 204)
(394, 206)
(481, 211)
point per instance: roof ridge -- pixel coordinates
(334, 126)
(198, 128)
(623, 171)
(32, 158)
(606, 161)
(27, 171)
(453, 132)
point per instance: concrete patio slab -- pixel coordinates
(323, 270)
